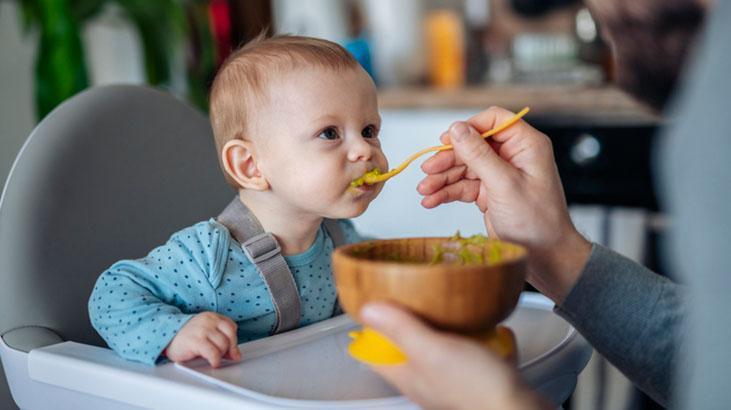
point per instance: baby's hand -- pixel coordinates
(208, 335)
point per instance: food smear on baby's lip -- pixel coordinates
(370, 177)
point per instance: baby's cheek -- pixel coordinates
(382, 161)
(314, 189)
(293, 174)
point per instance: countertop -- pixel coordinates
(570, 105)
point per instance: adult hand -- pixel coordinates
(446, 371)
(513, 179)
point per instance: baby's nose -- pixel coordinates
(360, 150)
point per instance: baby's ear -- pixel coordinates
(238, 161)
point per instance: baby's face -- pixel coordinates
(316, 132)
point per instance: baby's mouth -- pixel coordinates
(362, 189)
(370, 178)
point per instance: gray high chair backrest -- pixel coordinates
(108, 175)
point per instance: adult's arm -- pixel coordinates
(632, 316)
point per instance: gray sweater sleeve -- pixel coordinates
(631, 316)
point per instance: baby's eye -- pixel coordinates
(329, 133)
(370, 132)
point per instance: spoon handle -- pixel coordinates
(438, 148)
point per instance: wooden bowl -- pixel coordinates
(465, 298)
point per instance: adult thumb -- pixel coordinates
(399, 326)
(476, 153)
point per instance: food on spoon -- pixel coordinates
(370, 178)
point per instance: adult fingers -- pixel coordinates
(435, 182)
(401, 327)
(519, 140)
(444, 138)
(479, 156)
(494, 117)
(440, 162)
(464, 191)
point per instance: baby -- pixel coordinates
(295, 120)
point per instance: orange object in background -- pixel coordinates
(445, 44)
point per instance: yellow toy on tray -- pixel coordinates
(462, 285)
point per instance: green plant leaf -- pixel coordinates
(83, 10)
(60, 64)
(29, 14)
(201, 65)
(162, 25)
(159, 25)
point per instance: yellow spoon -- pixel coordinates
(375, 176)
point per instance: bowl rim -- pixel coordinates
(342, 252)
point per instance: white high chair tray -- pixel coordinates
(310, 367)
(304, 368)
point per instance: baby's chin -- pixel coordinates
(352, 211)
(357, 205)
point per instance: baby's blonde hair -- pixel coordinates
(241, 80)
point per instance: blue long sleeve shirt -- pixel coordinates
(138, 306)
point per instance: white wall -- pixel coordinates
(16, 106)
(397, 211)
(17, 114)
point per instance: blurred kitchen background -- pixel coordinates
(434, 61)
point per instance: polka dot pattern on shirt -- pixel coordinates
(138, 306)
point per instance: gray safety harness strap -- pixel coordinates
(263, 250)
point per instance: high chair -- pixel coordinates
(111, 173)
